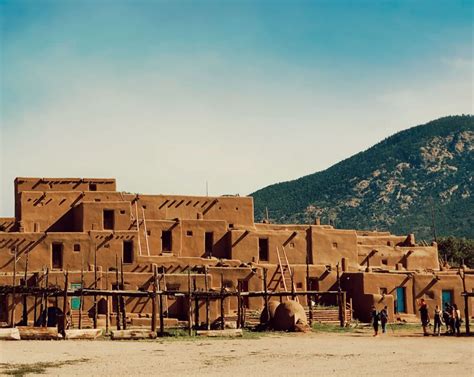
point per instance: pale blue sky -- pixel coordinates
(164, 95)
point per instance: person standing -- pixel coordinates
(384, 319)
(424, 315)
(447, 317)
(457, 319)
(437, 321)
(375, 320)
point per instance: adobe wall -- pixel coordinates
(329, 246)
(7, 224)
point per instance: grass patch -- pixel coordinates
(36, 368)
(333, 328)
(183, 335)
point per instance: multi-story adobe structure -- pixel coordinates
(73, 224)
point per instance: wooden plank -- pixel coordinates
(38, 333)
(83, 333)
(132, 334)
(9, 334)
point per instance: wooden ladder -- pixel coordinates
(286, 273)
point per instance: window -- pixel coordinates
(166, 241)
(334, 245)
(383, 291)
(92, 187)
(127, 251)
(263, 249)
(148, 232)
(108, 219)
(189, 233)
(292, 245)
(122, 212)
(231, 226)
(57, 255)
(385, 261)
(299, 285)
(208, 243)
(77, 247)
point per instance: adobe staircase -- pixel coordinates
(86, 321)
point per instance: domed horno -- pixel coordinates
(272, 305)
(287, 315)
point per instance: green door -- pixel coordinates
(75, 300)
(446, 297)
(400, 300)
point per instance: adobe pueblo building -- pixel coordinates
(89, 229)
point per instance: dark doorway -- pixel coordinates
(109, 219)
(208, 243)
(3, 308)
(57, 255)
(263, 249)
(166, 241)
(127, 251)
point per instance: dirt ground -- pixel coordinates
(273, 355)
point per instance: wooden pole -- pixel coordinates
(95, 286)
(65, 305)
(308, 283)
(25, 284)
(117, 298)
(265, 297)
(162, 325)
(196, 305)
(122, 301)
(466, 313)
(153, 302)
(13, 292)
(81, 299)
(339, 298)
(222, 303)
(41, 317)
(206, 283)
(190, 305)
(239, 304)
(107, 309)
(146, 233)
(45, 322)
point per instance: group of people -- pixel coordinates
(451, 316)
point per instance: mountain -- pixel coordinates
(399, 184)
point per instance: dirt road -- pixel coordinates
(314, 354)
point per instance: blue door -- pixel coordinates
(446, 297)
(400, 300)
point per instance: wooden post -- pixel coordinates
(95, 286)
(196, 305)
(13, 290)
(265, 297)
(308, 288)
(81, 299)
(292, 286)
(45, 322)
(122, 301)
(107, 309)
(162, 325)
(153, 302)
(41, 318)
(466, 313)
(25, 284)
(239, 303)
(190, 305)
(117, 297)
(208, 327)
(65, 305)
(222, 303)
(339, 298)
